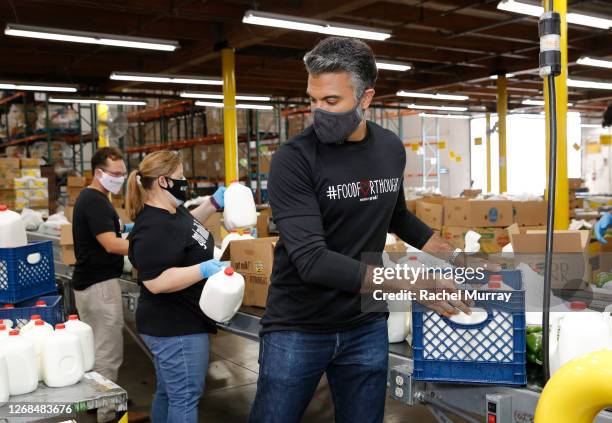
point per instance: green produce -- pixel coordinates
(602, 278)
(534, 346)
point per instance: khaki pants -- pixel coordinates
(101, 307)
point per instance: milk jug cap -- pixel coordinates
(73, 317)
(3, 207)
(60, 326)
(577, 305)
(2, 327)
(228, 271)
(8, 306)
(14, 332)
(35, 317)
(40, 303)
(39, 323)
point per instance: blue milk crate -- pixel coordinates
(52, 313)
(26, 272)
(491, 352)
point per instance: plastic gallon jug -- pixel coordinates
(232, 236)
(62, 358)
(239, 210)
(30, 324)
(21, 363)
(577, 333)
(86, 339)
(399, 326)
(4, 381)
(36, 335)
(222, 295)
(4, 331)
(12, 229)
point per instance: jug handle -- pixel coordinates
(606, 315)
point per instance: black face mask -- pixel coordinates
(335, 127)
(178, 188)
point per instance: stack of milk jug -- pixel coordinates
(58, 357)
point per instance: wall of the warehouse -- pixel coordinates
(456, 135)
(526, 153)
(596, 159)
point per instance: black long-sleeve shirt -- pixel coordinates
(333, 203)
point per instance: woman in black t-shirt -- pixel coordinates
(173, 254)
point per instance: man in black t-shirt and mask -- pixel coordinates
(335, 190)
(99, 251)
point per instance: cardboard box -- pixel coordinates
(7, 195)
(67, 254)
(38, 194)
(575, 183)
(9, 163)
(471, 193)
(491, 241)
(576, 203)
(431, 214)
(570, 259)
(22, 193)
(411, 206)
(38, 203)
(32, 173)
(21, 203)
(398, 247)
(38, 183)
(253, 259)
(530, 213)
(77, 181)
(263, 217)
(66, 235)
(68, 212)
(30, 163)
(22, 183)
(213, 225)
(477, 213)
(7, 178)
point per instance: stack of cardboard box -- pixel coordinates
(576, 185)
(21, 185)
(208, 161)
(67, 245)
(74, 187)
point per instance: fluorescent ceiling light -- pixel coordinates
(169, 79)
(98, 101)
(530, 102)
(588, 61)
(580, 83)
(216, 96)
(433, 96)
(394, 66)
(591, 125)
(313, 25)
(508, 75)
(38, 86)
(432, 107)
(433, 115)
(238, 106)
(537, 11)
(57, 34)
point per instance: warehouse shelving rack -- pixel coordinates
(76, 139)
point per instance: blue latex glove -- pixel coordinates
(127, 228)
(217, 198)
(602, 226)
(210, 267)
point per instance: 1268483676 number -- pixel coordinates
(40, 409)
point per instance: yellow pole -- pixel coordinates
(102, 113)
(488, 140)
(562, 192)
(502, 111)
(230, 131)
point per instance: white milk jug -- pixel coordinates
(222, 295)
(30, 324)
(37, 335)
(4, 381)
(21, 363)
(399, 326)
(577, 333)
(86, 339)
(12, 229)
(239, 210)
(4, 331)
(62, 358)
(232, 236)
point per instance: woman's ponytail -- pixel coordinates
(135, 197)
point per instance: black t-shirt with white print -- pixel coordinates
(159, 241)
(331, 203)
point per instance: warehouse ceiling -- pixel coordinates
(454, 46)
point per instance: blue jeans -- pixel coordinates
(181, 363)
(291, 364)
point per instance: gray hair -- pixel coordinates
(338, 54)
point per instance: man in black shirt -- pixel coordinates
(335, 190)
(99, 251)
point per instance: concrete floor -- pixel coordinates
(231, 384)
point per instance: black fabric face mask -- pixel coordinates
(178, 189)
(335, 127)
